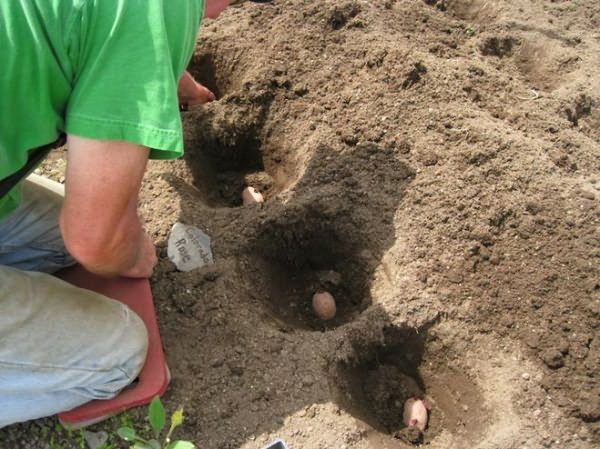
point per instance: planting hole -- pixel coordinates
(204, 71)
(411, 363)
(224, 163)
(498, 46)
(292, 260)
(226, 149)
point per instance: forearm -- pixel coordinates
(99, 221)
(214, 7)
(108, 252)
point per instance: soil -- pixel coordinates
(435, 165)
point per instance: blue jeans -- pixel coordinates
(60, 346)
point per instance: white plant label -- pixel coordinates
(189, 247)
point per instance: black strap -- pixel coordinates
(35, 157)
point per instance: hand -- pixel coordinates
(192, 93)
(144, 266)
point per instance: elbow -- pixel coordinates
(95, 250)
(88, 253)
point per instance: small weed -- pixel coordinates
(470, 30)
(157, 418)
(54, 443)
(107, 446)
(81, 443)
(126, 420)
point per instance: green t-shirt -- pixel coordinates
(101, 69)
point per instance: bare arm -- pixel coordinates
(214, 7)
(99, 220)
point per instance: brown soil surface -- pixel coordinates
(433, 164)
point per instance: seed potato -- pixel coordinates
(324, 305)
(251, 196)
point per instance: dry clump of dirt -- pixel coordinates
(435, 165)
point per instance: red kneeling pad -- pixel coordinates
(153, 378)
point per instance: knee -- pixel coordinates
(129, 360)
(137, 345)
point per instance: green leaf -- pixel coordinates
(176, 421)
(141, 445)
(176, 418)
(181, 445)
(154, 444)
(156, 414)
(127, 433)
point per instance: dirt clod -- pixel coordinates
(553, 358)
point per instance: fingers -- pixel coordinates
(201, 95)
(192, 93)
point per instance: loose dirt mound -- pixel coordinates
(434, 164)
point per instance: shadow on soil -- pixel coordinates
(255, 352)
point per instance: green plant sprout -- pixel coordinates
(125, 419)
(54, 444)
(157, 418)
(470, 30)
